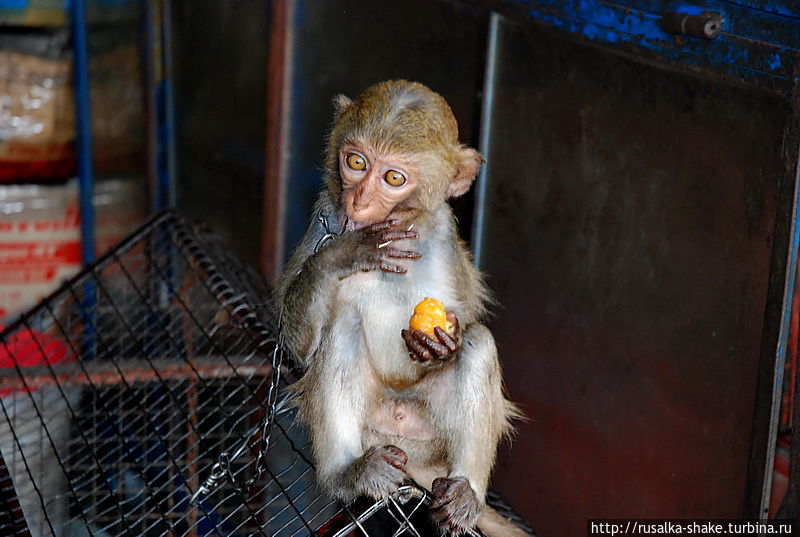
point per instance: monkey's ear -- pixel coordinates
(469, 162)
(340, 104)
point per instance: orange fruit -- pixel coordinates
(429, 314)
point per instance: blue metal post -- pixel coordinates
(160, 96)
(165, 195)
(85, 176)
(84, 127)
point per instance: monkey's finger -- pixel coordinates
(422, 354)
(434, 346)
(454, 321)
(398, 234)
(382, 226)
(406, 335)
(402, 254)
(388, 267)
(395, 456)
(446, 339)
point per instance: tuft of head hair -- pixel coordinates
(403, 116)
(396, 116)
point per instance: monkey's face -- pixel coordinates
(374, 183)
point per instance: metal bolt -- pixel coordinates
(706, 25)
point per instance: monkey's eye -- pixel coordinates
(394, 178)
(356, 162)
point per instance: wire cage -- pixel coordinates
(146, 397)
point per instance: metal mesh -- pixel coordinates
(146, 397)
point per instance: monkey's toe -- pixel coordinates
(383, 471)
(394, 456)
(455, 507)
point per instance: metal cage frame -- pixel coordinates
(146, 396)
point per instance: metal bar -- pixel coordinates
(789, 502)
(485, 137)
(783, 334)
(166, 130)
(129, 370)
(12, 519)
(84, 127)
(149, 48)
(277, 137)
(192, 456)
(85, 172)
(341, 526)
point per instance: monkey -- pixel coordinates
(384, 403)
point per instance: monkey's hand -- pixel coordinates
(370, 248)
(424, 349)
(455, 507)
(380, 471)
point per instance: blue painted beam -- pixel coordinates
(85, 171)
(787, 8)
(165, 110)
(84, 128)
(757, 46)
(741, 21)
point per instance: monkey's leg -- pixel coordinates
(334, 396)
(473, 414)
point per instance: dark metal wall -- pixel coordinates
(629, 227)
(220, 59)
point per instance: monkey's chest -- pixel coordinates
(377, 306)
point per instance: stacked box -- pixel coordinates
(40, 240)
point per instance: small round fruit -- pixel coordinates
(429, 314)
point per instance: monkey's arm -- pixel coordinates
(305, 290)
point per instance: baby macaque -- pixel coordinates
(383, 401)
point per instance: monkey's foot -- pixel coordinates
(381, 472)
(455, 507)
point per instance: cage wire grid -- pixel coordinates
(147, 397)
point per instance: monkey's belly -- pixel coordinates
(401, 418)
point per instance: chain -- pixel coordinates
(329, 235)
(222, 468)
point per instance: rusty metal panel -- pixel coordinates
(629, 232)
(345, 46)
